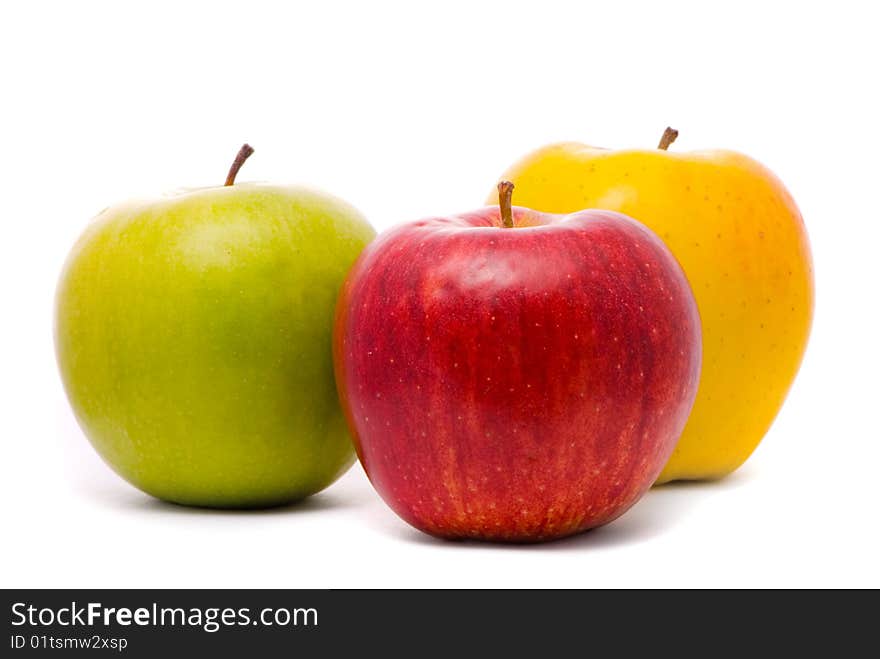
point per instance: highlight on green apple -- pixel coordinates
(193, 335)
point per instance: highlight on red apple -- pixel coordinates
(513, 375)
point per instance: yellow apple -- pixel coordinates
(741, 240)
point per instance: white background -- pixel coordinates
(413, 109)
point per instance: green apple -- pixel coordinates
(193, 335)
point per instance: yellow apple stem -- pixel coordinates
(243, 154)
(505, 194)
(669, 136)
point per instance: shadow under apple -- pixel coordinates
(136, 501)
(655, 514)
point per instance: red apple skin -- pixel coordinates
(516, 384)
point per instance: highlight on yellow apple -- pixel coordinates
(741, 240)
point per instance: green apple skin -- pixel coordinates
(193, 335)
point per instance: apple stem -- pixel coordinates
(505, 194)
(243, 154)
(669, 136)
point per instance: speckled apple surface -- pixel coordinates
(516, 384)
(740, 238)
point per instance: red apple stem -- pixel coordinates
(505, 195)
(669, 136)
(243, 154)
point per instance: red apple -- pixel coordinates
(514, 375)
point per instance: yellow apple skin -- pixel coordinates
(741, 240)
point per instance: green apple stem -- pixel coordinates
(669, 136)
(505, 195)
(243, 154)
